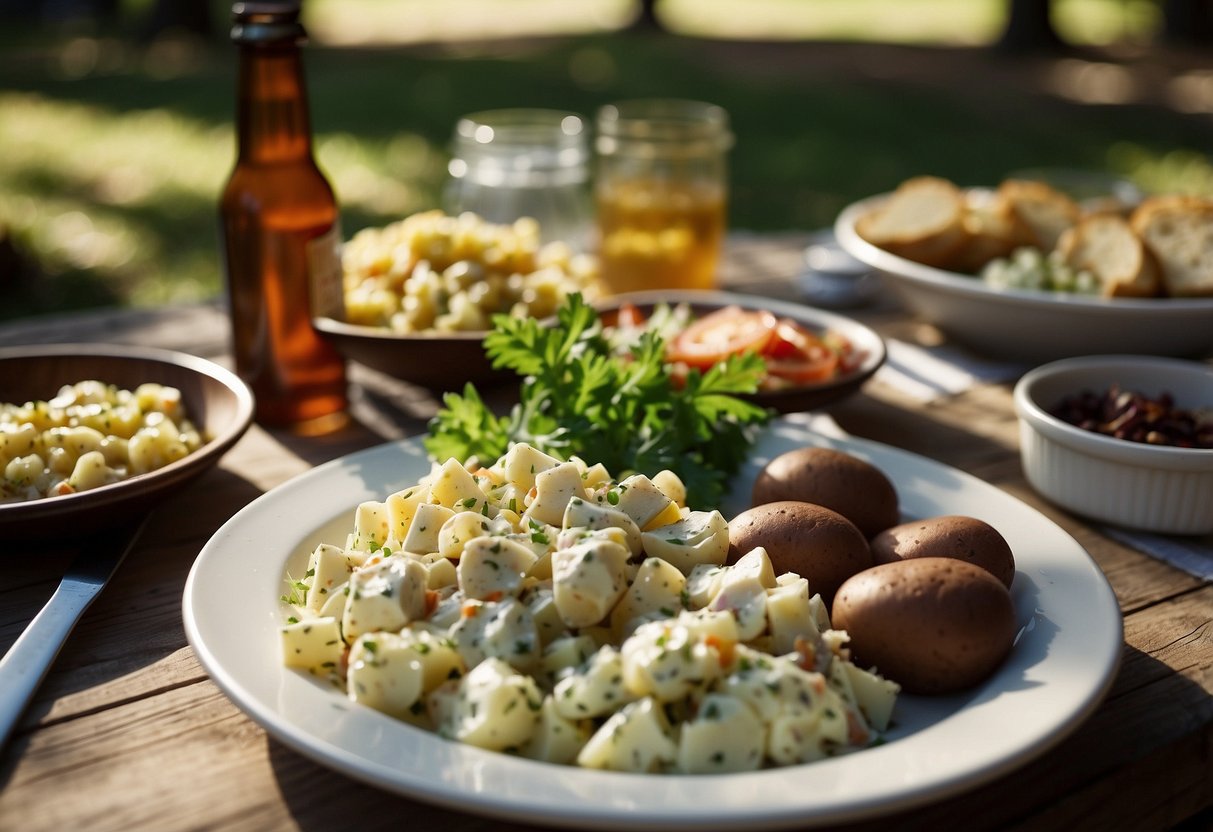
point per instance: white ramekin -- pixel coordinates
(1148, 487)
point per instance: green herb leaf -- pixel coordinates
(583, 398)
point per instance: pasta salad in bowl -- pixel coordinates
(95, 433)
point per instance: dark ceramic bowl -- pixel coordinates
(218, 403)
(812, 396)
(438, 361)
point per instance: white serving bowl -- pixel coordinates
(1029, 325)
(1153, 488)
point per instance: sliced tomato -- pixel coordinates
(797, 355)
(728, 331)
(790, 340)
(818, 365)
(630, 315)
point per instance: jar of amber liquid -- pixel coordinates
(660, 192)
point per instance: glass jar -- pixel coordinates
(513, 163)
(661, 187)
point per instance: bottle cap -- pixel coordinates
(267, 22)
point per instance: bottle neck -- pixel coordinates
(272, 114)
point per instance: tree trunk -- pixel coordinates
(1187, 22)
(1029, 28)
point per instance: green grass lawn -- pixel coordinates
(112, 158)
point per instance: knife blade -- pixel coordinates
(26, 663)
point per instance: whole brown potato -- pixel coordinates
(949, 536)
(815, 542)
(933, 625)
(856, 489)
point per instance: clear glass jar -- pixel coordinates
(513, 163)
(661, 189)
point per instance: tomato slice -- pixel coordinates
(728, 331)
(630, 316)
(819, 364)
(797, 355)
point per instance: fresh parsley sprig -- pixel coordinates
(579, 397)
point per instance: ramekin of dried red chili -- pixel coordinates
(1134, 416)
(1122, 439)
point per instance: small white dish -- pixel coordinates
(833, 279)
(1156, 488)
(1061, 666)
(1031, 325)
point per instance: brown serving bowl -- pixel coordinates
(217, 402)
(869, 345)
(438, 361)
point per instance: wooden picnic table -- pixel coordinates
(128, 732)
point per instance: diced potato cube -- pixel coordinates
(874, 695)
(701, 537)
(789, 615)
(504, 630)
(312, 644)
(657, 589)
(496, 708)
(641, 500)
(493, 567)
(523, 463)
(554, 488)
(635, 739)
(587, 580)
(385, 672)
(401, 506)
(594, 689)
(454, 487)
(385, 596)
(726, 735)
(371, 527)
(556, 739)
(425, 528)
(584, 514)
(329, 567)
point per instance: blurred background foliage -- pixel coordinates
(116, 127)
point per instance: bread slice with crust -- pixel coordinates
(991, 233)
(923, 220)
(1040, 212)
(1178, 230)
(1106, 246)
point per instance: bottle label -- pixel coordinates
(325, 273)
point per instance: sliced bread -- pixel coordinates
(1178, 230)
(1106, 246)
(1041, 213)
(923, 220)
(991, 233)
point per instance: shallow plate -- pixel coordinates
(438, 361)
(867, 343)
(1058, 671)
(218, 403)
(1033, 325)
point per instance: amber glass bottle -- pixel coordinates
(280, 232)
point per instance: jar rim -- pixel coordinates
(662, 126)
(521, 126)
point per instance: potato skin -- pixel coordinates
(854, 488)
(948, 536)
(933, 625)
(815, 542)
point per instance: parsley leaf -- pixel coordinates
(582, 398)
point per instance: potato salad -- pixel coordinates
(539, 607)
(90, 434)
(431, 272)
